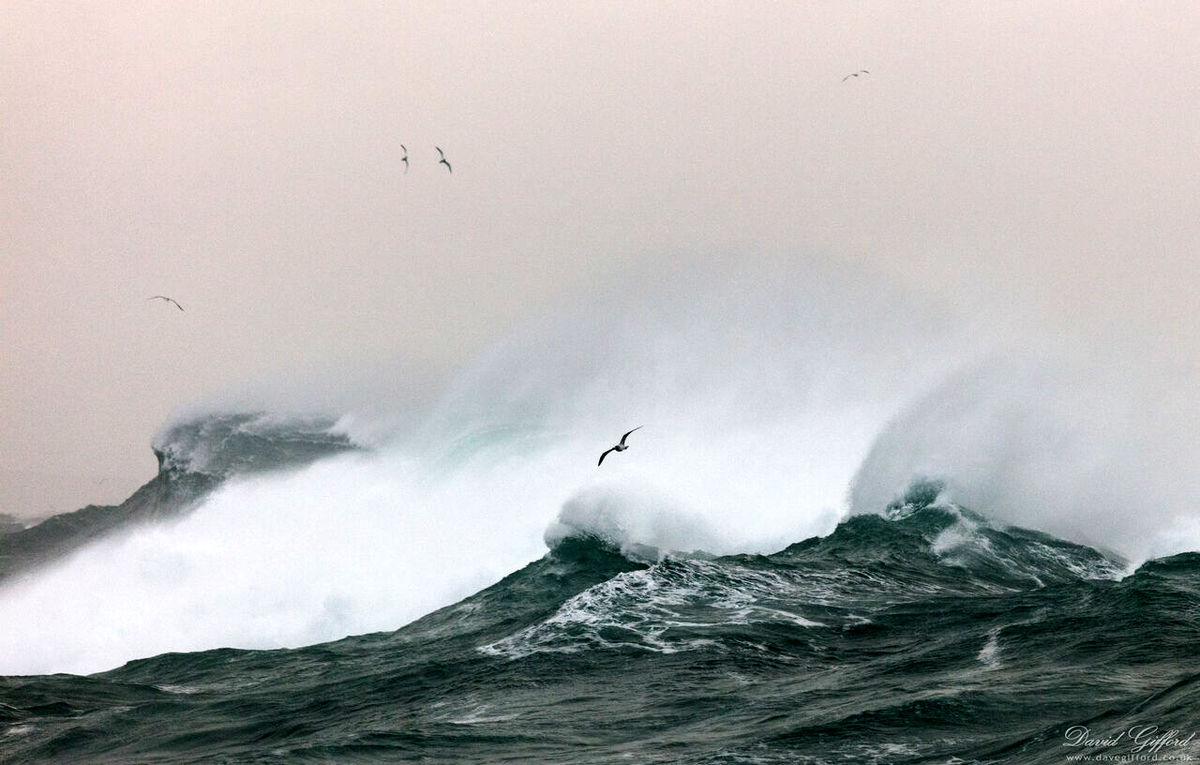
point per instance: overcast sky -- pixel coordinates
(244, 158)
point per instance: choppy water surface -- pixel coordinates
(925, 636)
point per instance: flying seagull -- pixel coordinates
(618, 448)
(404, 159)
(855, 74)
(443, 160)
(169, 300)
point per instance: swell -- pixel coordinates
(871, 643)
(764, 397)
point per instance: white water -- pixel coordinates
(1096, 448)
(763, 398)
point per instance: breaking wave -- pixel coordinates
(773, 402)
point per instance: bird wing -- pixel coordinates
(440, 154)
(447, 164)
(169, 300)
(627, 435)
(602, 456)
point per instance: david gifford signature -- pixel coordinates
(1139, 738)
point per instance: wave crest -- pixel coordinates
(226, 444)
(641, 523)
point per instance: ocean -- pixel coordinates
(845, 533)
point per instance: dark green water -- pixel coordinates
(926, 637)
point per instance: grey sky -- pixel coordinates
(243, 158)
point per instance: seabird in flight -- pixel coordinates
(169, 300)
(404, 159)
(855, 74)
(443, 160)
(618, 448)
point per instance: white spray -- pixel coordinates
(760, 394)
